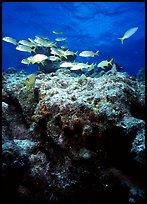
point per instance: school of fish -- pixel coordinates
(58, 53)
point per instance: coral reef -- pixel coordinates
(81, 139)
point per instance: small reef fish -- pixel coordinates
(88, 54)
(60, 39)
(66, 64)
(66, 53)
(35, 44)
(30, 83)
(55, 51)
(57, 32)
(80, 66)
(105, 63)
(77, 65)
(24, 48)
(10, 40)
(43, 42)
(38, 58)
(26, 43)
(54, 58)
(128, 34)
(58, 52)
(32, 41)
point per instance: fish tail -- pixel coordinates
(97, 53)
(111, 62)
(91, 67)
(34, 49)
(121, 39)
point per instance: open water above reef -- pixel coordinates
(86, 25)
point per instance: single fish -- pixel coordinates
(66, 64)
(30, 83)
(35, 44)
(38, 58)
(88, 54)
(41, 42)
(32, 41)
(128, 34)
(10, 40)
(60, 39)
(24, 48)
(80, 66)
(26, 43)
(57, 32)
(57, 52)
(105, 63)
(65, 53)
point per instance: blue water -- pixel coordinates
(87, 26)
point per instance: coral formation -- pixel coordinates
(81, 134)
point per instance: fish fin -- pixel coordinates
(43, 62)
(122, 40)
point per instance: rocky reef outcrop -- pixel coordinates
(73, 139)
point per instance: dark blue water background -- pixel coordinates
(87, 26)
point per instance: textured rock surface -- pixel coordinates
(79, 138)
